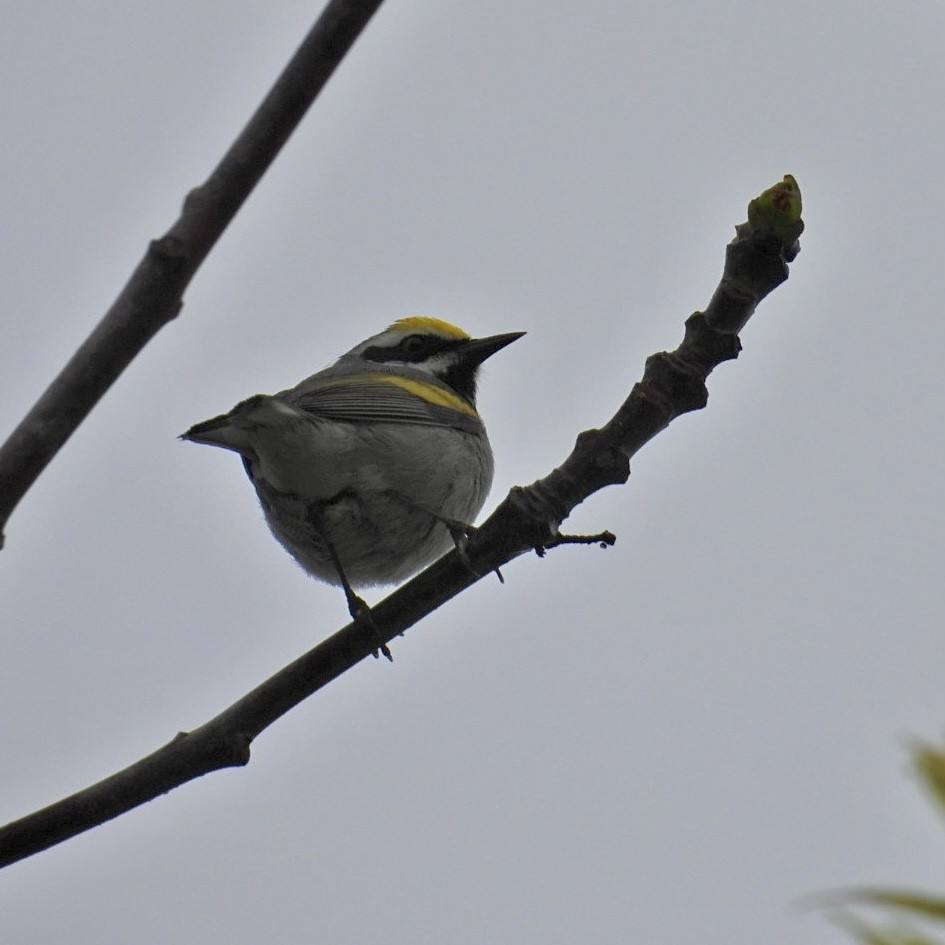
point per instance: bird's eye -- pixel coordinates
(414, 345)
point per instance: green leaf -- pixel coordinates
(929, 763)
(928, 907)
(870, 935)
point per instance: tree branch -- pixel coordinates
(153, 295)
(528, 519)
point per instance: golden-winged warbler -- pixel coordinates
(367, 470)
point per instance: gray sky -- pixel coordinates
(667, 741)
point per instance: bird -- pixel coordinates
(372, 468)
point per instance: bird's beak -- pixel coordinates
(476, 350)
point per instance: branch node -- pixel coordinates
(167, 248)
(601, 458)
(540, 509)
(239, 749)
(707, 345)
(676, 380)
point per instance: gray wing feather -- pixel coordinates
(358, 402)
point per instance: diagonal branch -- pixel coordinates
(153, 295)
(673, 383)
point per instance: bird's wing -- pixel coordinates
(384, 398)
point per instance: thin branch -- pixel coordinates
(673, 383)
(153, 295)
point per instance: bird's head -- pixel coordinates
(433, 347)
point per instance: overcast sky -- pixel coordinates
(667, 741)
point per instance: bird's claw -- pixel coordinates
(362, 614)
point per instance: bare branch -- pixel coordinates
(528, 519)
(153, 295)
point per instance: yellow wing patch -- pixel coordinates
(436, 326)
(429, 392)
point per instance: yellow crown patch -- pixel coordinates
(427, 325)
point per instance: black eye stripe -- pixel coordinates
(413, 348)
